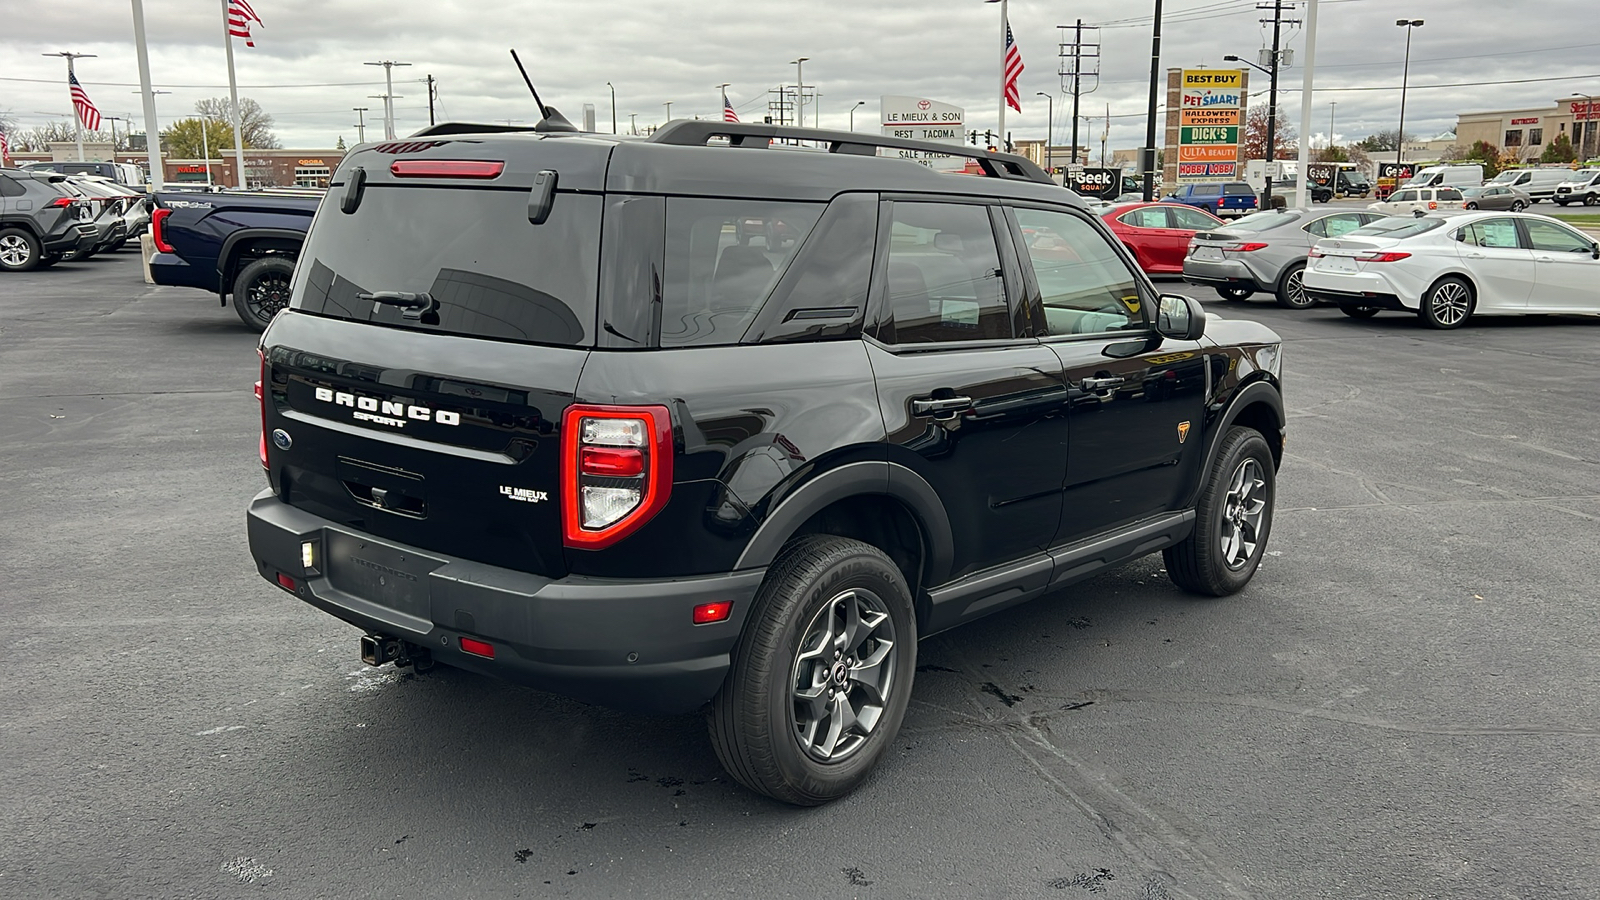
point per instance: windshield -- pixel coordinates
(1507, 177)
(1396, 227)
(1263, 221)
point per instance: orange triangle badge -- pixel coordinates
(1183, 432)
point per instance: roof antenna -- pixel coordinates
(551, 120)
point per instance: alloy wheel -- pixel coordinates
(843, 675)
(267, 295)
(1295, 287)
(13, 250)
(1242, 511)
(1450, 303)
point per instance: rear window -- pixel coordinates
(489, 271)
(1239, 188)
(1449, 194)
(1263, 221)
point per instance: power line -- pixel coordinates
(253, 87)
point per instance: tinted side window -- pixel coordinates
(944, 279)
(723, 257)
(9, 188)
(1192, 218)
(1404, 196)
(824, 293)
(1085, 286)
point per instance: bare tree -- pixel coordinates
(1254, 137)
(254, 123)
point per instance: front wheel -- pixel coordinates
(1233, 519)
(261, 290)
(821, 675)
(1359, 312)
(1447, 304)
(1234, 293)
(1292, 290)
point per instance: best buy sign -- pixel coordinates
(1210, 134)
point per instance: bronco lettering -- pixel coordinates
(392, 410)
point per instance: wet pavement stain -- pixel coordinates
(930, 667)
(636, 775)
(857, 877)
(990, 687)
(1093, 882)
(1078, 705)
(1079, 623)
(587, 826)
(669, 781)
(523, 855)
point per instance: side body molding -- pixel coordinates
(853, 479)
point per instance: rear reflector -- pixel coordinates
(286, 582)
(706, 613)
(446, 168)
(477, 648)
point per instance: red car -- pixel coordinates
(1157, 234)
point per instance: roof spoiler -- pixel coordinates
(468, 128)
(695, 133)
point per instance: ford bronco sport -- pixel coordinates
(731, 417)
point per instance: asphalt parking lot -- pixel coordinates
(1404, 703)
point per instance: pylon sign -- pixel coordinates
(921, 119)
(1209, 123)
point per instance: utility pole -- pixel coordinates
(361, 123)
(613, 107)
(1277, 8)
(668, 105)
(1405, 76)
(1076, 57)
(1149, 151)
(633, 123)
(388, 94)
(77, 121)
(431, 86)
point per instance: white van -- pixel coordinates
(1581, 186)
(1538, 184)
(1453, 176)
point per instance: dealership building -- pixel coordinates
(1526, 132)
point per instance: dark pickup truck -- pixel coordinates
(242, 244)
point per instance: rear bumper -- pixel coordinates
(172, 270)
(1358, 299)
(1222, 273)
(628, 644)
(74, 238)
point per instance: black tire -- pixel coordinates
(1591, 199)
(1519, 206)
(262, 289)
(1291, 290)
(1359, 312)
(19, 250)
(755, 720)
(1233, 519)
(1448, 304)
(1235, 293)
(1472, 204)
(117, 246)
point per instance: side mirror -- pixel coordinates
(1180, 318)
(1596, 251)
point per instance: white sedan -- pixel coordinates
(1447, 269)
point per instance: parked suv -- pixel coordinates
(1410, 200)
(665, 423)
(1221, 199)
(40, 220)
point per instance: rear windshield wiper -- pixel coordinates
(412, 306)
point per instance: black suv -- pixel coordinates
(734, 415)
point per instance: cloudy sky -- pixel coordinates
(306, 69)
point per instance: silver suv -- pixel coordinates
(40, 221)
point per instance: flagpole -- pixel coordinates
(233, 94)
(1000, 135)
(152, 142)
(77, 120)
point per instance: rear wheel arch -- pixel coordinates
(248, 245)
(883, 504)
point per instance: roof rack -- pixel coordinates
(695, 133)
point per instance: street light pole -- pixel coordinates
(668, 105)
(859, 103)
(388, 94)
(613, 107)
(800, 92)
(1050, 133)
(1331, 107)
(633, 123)
(1405, 76)
(1149, 152)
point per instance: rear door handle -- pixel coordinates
(1477, 256)
(1102, 384)
(945, 408)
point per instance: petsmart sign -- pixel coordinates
(1208, 136)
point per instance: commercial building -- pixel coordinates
(262, 168)
(1526, 132)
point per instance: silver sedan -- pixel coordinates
(1495, 197)
(1266, 252)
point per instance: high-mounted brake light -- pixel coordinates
(446, 168)
(616, 466)
(1379, 256)
(158, 231)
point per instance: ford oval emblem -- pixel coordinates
(281, 439)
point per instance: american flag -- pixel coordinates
(1013, 70)
(240, 15)
(5, 147)
(80, 102)
(728, 115)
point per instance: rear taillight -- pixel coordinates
(446, 168)
(261, 401)
(616, 464)
(158, 233)
(59, 203)
(1377, 256)
(1315, 254)
(1244, 248)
